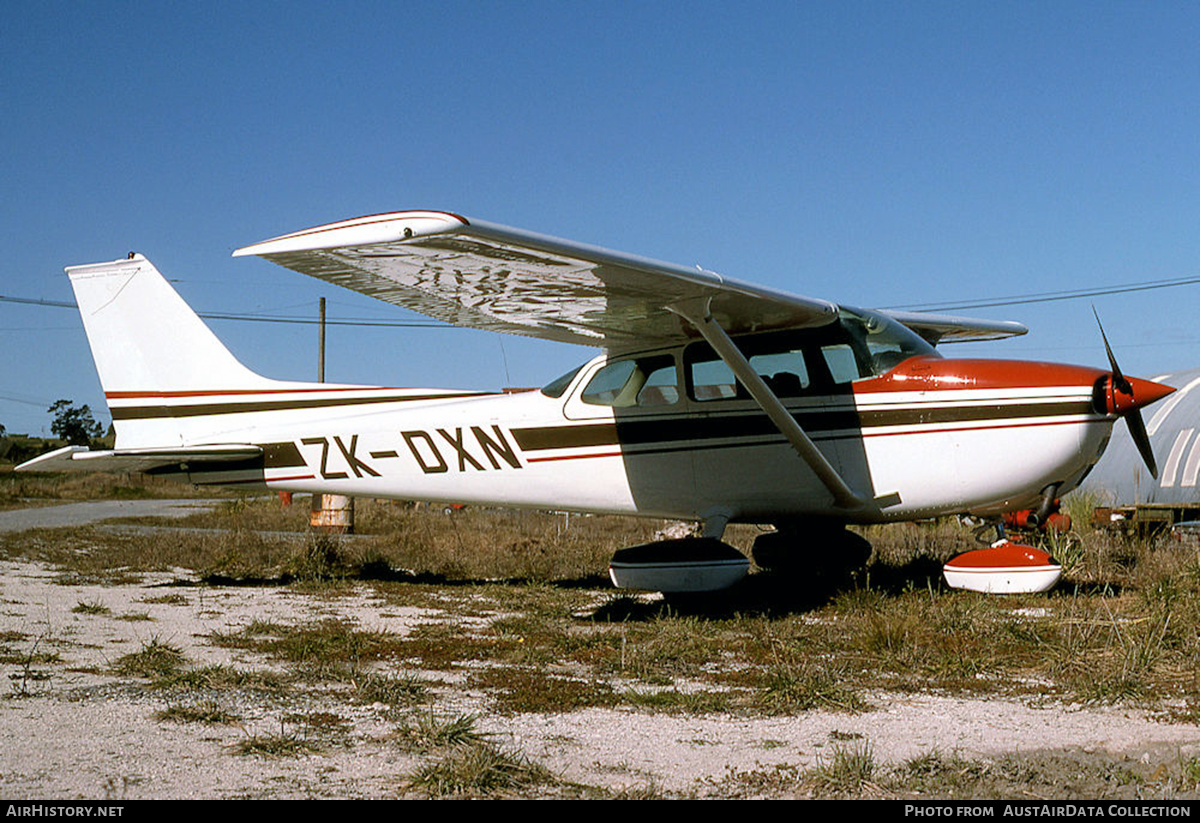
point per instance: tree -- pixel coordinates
(75, 425)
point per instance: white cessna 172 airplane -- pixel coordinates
(714, 400)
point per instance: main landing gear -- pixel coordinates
(820, 552)
(688, 565)
(815, 548)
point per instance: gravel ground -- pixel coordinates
(72, 728)
(87, 733)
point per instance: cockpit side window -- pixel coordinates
(843, 365)
(778, 359)
(642, 382)
(784, 372)
(797, 362)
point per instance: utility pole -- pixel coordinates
(331, 513)
(321, 344)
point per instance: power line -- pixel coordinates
(58, 304)
(984, 303)
(16, 398)
(413, 324)
(257, 318)
(1051, 296)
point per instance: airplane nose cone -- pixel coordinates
(1145, 392)
(1120, 395)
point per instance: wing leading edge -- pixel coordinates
(487, 276)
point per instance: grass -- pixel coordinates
(848, 771)
(326, 649)
(155, 659)
(851, 770)
(1044, 776)
(18, 489)
(27, 680)
(281, 744)
(221, 677)
(175, 599)
(481, 770)
(1126, 611)
(425, 732)
(517, 690)
(466, 763)
(516, 612)
(1123, 628)
(793, 688)
(391, 690)
(208, 712)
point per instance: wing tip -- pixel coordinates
(365, 230)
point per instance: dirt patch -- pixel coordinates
(73, 725)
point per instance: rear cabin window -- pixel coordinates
(783, 371)
(558, 386)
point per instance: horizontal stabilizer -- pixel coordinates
(81, 458)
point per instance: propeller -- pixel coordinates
(1120, 395)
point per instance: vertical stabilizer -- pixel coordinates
(144, 337)
(171, 384)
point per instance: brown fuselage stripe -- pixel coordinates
(281, 456)
(779, 440)
(666, 430)
(666, 435)
(202, 409)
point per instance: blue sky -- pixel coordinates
(877, 154)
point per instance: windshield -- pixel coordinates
(879, 343)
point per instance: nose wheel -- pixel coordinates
(1004, 567)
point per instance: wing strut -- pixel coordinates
(697, 312)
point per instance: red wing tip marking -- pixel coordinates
(286, 242)
(383, 217)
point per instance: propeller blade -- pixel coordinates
(1118, 379)
(1137, 429)
(1133, 417)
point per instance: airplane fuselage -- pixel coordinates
(929, 437)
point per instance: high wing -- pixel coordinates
(477, 274)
